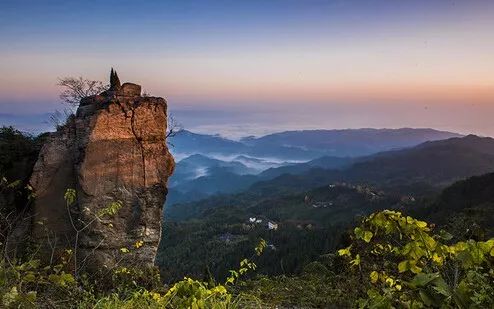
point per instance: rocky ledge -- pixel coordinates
(113, 153)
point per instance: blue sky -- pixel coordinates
(372, 63)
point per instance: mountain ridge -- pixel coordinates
(422, 169)
(308, 144)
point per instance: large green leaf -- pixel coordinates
(422, 279)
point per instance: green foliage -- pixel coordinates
(210, 248)
(246, 264)
(31, 285)
(190, 293)
(111, 209)
(70, 196)
(187, 293)
(406, 265)
(260, 247)
(22, 283)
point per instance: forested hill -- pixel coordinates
(433, 164)
(421, 170)
(313, 223)
(466, 207)
(308, 224)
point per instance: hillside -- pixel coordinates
(312, 223)
(466, 207)
(307, 225)
(326, 162)
(217, 179)
(198, 176)
(222, 162)
(432, 164)
(196, 166)
(420, 170)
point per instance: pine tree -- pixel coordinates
(114, 80)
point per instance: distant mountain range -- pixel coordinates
(422, 169)
(315, 202)
(306, 145)
(210, 164)
(431, 164)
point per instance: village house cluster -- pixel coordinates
(270, 224)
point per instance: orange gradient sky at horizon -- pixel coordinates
(417, 54)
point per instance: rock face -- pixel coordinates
(113, 152)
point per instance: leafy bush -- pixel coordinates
(30, 285)
(23, 285)
(404, 264)
(187, 293)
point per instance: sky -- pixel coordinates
(252, 67)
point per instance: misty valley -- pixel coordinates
(314, 185)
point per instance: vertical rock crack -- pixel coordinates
(140, 142)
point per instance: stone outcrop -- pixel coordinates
(112, 152)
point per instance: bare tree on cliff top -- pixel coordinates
(76, 88)
(173, 127)
(73, 90)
